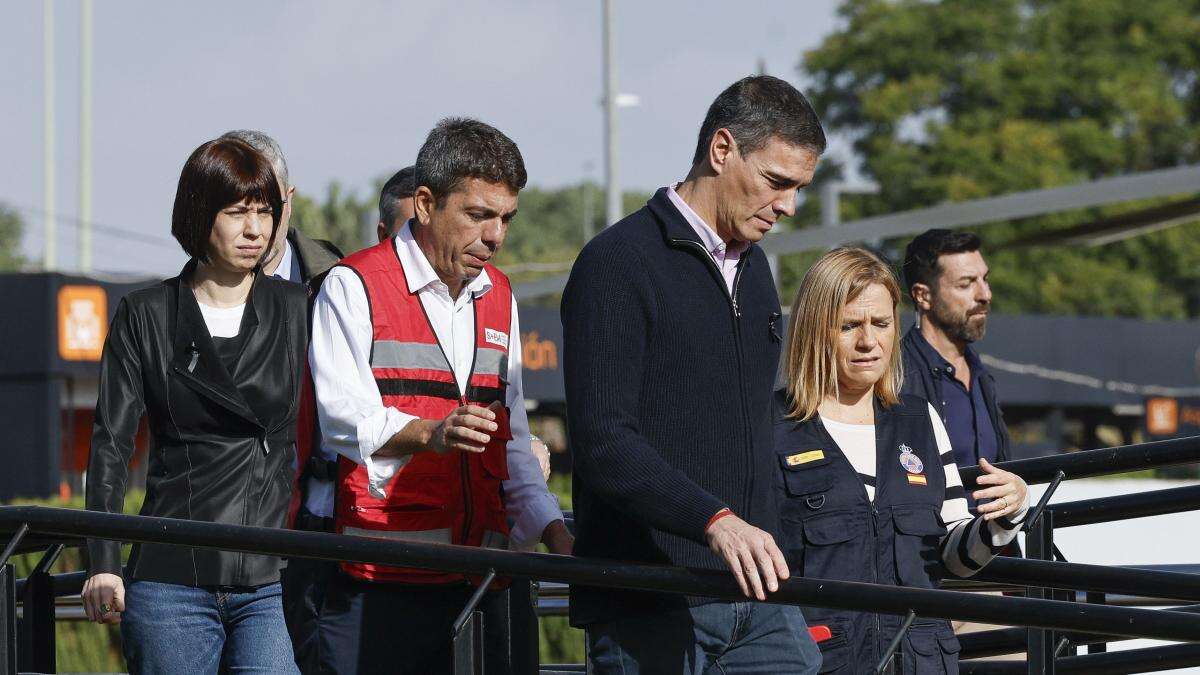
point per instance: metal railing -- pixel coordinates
(1054, 622)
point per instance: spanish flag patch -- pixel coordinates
(805, 457)
(917, 479)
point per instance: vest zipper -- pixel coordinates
(874, 517)
(732, 296)
(466, 488)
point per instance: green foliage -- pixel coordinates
(960, 99)
(549, 229)
(11, 227)
(341, 218)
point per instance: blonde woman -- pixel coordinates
(870, 491)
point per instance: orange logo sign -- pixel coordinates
(538, 354)
(1162, 416)
(82, 322)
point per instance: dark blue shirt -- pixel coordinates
(963, 411)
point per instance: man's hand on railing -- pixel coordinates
(558, 538)
(751, 554)
(103, 598)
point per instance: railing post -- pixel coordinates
(1098, 599)
(8, 620)
(523, 627)
(466, 637)
(36, 627)
(1039, 543)
(468, 646)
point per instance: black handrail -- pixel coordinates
(1124, 507)
(1157, 624)
(1102, 462)
(1097, 578)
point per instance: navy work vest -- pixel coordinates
(830, 530)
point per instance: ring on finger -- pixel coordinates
(1005, 500)
(105, 608)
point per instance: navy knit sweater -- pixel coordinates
(669, 382)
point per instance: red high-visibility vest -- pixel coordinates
(453, 498)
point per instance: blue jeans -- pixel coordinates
(713, 639)
(169, 628)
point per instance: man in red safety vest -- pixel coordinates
(416, 364)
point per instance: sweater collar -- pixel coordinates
(678, 226)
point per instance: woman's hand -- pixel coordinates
(1008, 494)
(104, 598)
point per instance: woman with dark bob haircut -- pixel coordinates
(869, 488)
(213, 358)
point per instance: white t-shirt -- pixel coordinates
(222, 322)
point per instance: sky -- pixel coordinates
(350, 89)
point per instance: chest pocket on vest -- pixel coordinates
(803, 477)
(918, 535)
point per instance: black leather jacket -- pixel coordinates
(222, 448)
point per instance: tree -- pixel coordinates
(11, 227)
(342, 218)
(963, 99)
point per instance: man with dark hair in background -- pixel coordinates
(416, 360)
(671, 327)
(947, 281)
(396, 202)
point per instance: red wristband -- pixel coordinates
(717, 516)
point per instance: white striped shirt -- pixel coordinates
(969, 543)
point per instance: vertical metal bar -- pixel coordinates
(1098, 599)
(612, 186)
(468, 646)
(50, 250)
(85, 136)
(466, 635)
(8, 620)
(891, 650)
(1040, 546)
(523, 626)
(36, 650)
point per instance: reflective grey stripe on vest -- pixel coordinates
(490, 361)
(441, 536)
(494, 540)
(395, 354)
(413, 355)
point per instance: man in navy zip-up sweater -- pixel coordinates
(672, 333)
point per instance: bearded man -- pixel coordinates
(947, 281)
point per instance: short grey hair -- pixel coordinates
(265, 146)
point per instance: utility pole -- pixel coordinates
(612, 187)
(588, 216)
(50, 254)
(85, 136)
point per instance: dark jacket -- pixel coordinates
(831, 530)
(222, 442)
(669, 382)
(924, 379)
(316, 257)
